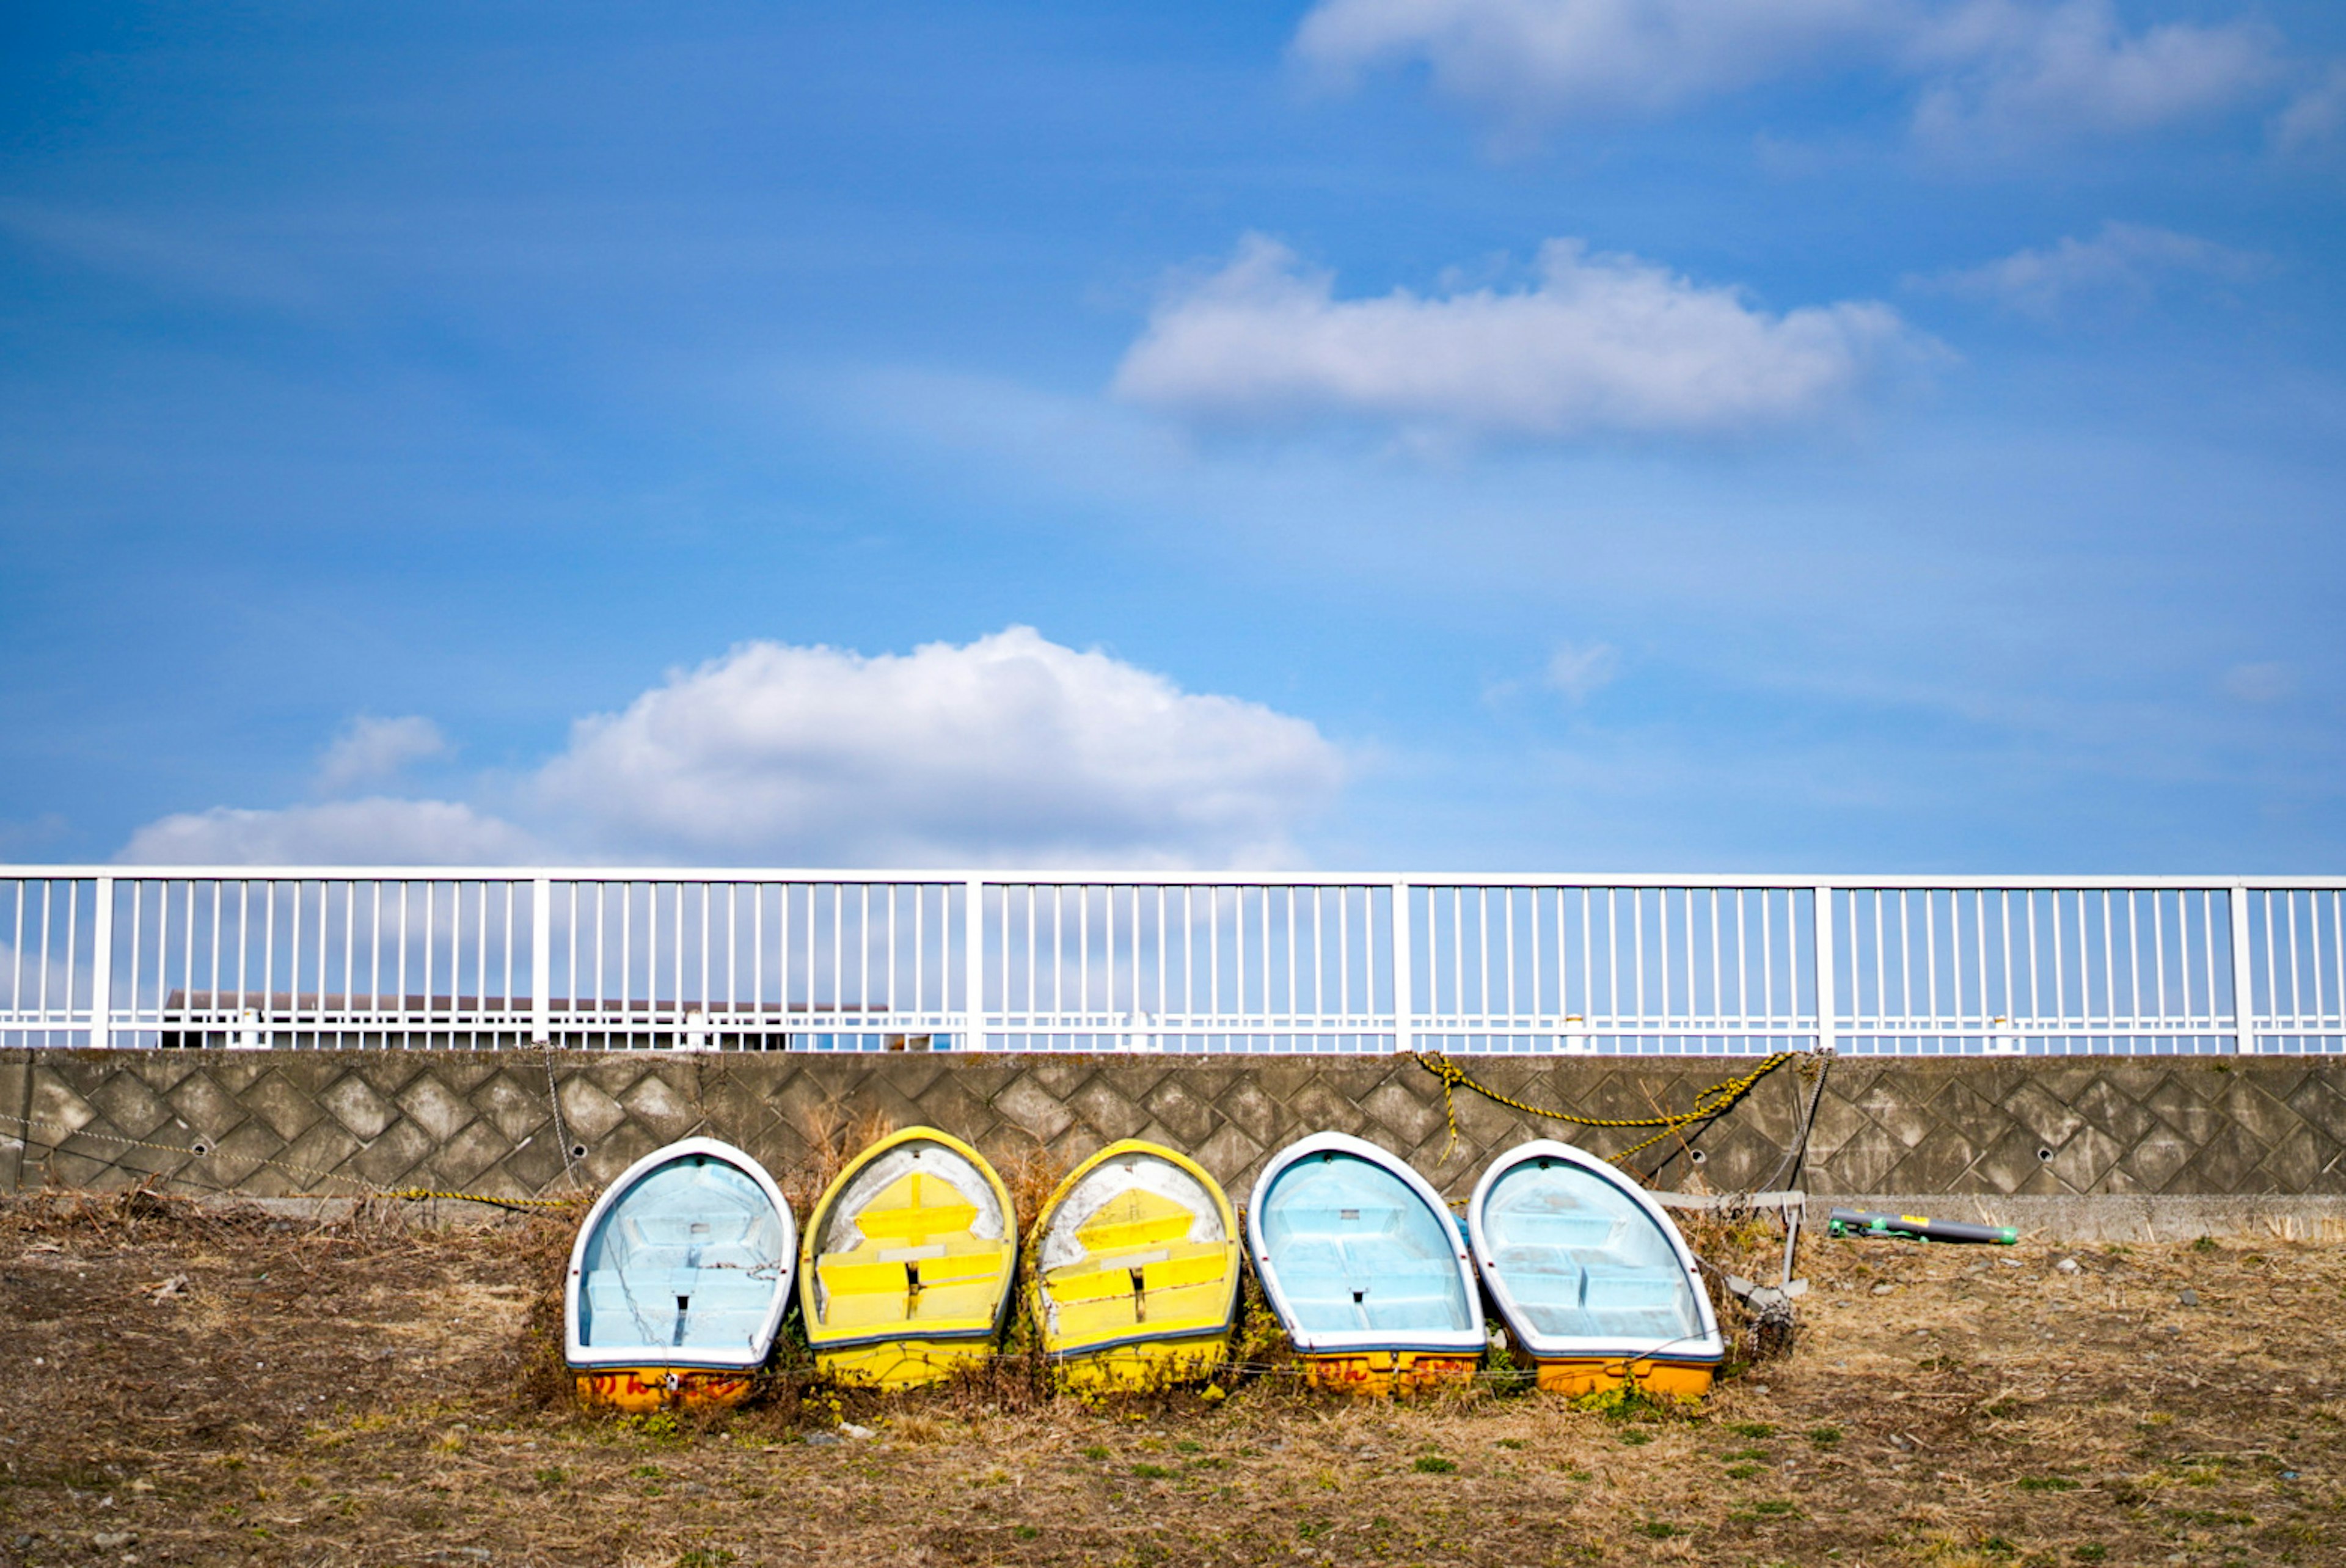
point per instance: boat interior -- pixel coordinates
(1581, 1258)
(918, 1237)
(1137, 1243)
(689, 1258)
(1356, 1248)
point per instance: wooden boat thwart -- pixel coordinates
(905, 1270)
(1135, 1281)
(1591, 1275)
(679, 1279)
(1364, 1267)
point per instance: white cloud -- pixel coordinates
(375, 831)
(1008, 749)
(1599, 343)
(369, 749)
(2315, 115)
(1980, 70)
(1011, 748)
(1999, 71)
(1538, 59)
(2125, 259)
(1579, 673)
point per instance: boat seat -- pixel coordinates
(959, 1280)
(1541, 1276)
(1307, 1255)
(1156, 1229)
(1607, 1289)
(1366, 1219)
(1098, 1293)
(727, 1307)
(1530, 1227)
(726, 1311)
(1376, 1292)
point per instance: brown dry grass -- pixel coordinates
(832, 1138)
(368, 1392)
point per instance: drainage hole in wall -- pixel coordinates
(2045, 1156)
(578, 1151)
(1696, 1155)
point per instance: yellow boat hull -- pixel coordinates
(901, 1363)
(1378, 1373)
(1593, 1374)
(639, 1389)
(1145, 1368)
(1132, 1271)
(904, 1275)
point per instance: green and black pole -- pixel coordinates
(1914, 1227)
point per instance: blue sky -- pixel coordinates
(1508, 434)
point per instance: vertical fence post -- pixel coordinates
(541, 958)
(101, 969)
(2244, 998)
(1821, 930)
(973, 957)
(1404, 1026)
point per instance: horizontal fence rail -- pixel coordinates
(759, 959)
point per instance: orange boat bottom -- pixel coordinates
(1593, 1374)
(1380, 1372)
(637, 1388)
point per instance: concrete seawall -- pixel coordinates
(525, 1124)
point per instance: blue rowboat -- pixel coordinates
(1364, 1267)
(1590, 1275)
(679, 1279)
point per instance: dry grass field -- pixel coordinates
(184, 1386)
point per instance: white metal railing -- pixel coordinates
(990, 961)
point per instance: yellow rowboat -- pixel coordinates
(679, 1280)
(1591, 1275)
(1364, 1267)
(904, 1275)
(1134, 1277)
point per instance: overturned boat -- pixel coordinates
(1590, 1275)
(1135, 1276)
(906, 1271)
(1364, 1265)
(679, 1279)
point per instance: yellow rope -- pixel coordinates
(1715, 1101)
(417, 1194)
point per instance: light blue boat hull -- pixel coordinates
(686, 1261)
(1356, 1253)
(1583, 1265)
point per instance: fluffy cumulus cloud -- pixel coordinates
(369, 749)
(375, 831)
(1010, 749)
(1596, 344)
(1977, 70)
(2125, 261)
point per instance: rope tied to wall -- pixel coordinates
(202, 1149)
(1710, 1103)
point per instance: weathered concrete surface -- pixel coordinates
(282, 1123)
(16, 1087)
